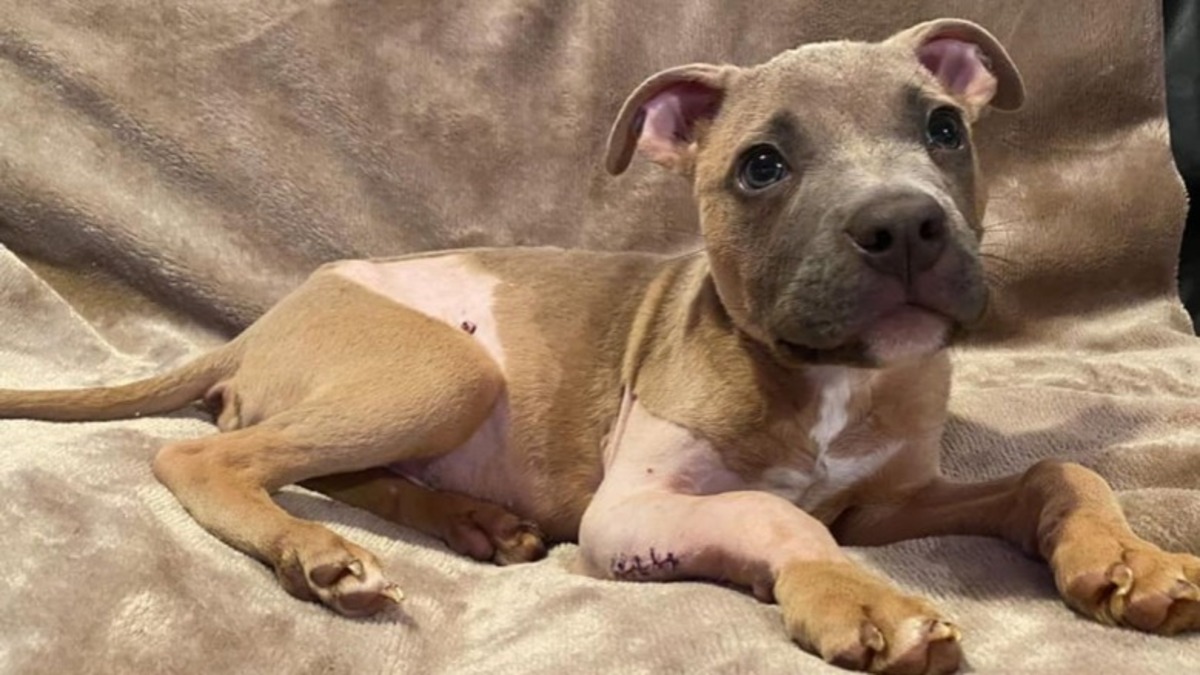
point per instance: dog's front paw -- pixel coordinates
(319, 565)
(855, 621)
(1125, 581)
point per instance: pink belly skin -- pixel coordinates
(448, 288)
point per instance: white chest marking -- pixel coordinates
(833, 413)
(842, 472)
(832, 472)
(830, 476)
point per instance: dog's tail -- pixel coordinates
(159, 394)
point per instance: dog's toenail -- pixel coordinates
(1122, 577)
(943, 630)
(871, 638)
(356, 568)
(392, 592)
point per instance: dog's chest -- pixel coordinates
(844, 449)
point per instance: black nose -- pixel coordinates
(899, 234)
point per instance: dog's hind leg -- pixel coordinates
(402, 386)
(221, 483)
(225, 481)
(472, 527)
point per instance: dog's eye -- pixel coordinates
(944, 130)
(762, 166)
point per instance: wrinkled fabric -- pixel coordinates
(170, 169)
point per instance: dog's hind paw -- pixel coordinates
(323, 567)
(485, 531)
(521, 543)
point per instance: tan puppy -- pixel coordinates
(732, 414)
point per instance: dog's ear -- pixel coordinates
(968, 61)
(660, 117)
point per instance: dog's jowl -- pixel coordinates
(734, 415)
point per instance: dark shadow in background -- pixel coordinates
(1182, 33)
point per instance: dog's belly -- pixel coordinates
(447, 288)
(482, 467)
(443, 287)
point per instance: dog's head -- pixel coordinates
(836, 184)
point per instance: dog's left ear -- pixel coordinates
(661, 116)
(968, 61)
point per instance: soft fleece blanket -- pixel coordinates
(169, 169)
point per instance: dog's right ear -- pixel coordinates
(660, 117)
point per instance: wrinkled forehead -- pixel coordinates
(830, 93)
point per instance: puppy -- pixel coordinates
(734, 414)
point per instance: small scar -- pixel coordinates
(469, 327)
(669, 560)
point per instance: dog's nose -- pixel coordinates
(901, 234)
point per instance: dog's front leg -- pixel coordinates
(832, 606)
(649, 521)
(1069, 516)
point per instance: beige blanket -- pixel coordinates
(168, 169)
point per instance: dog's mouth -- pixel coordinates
(907, 331)
(880, 323)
